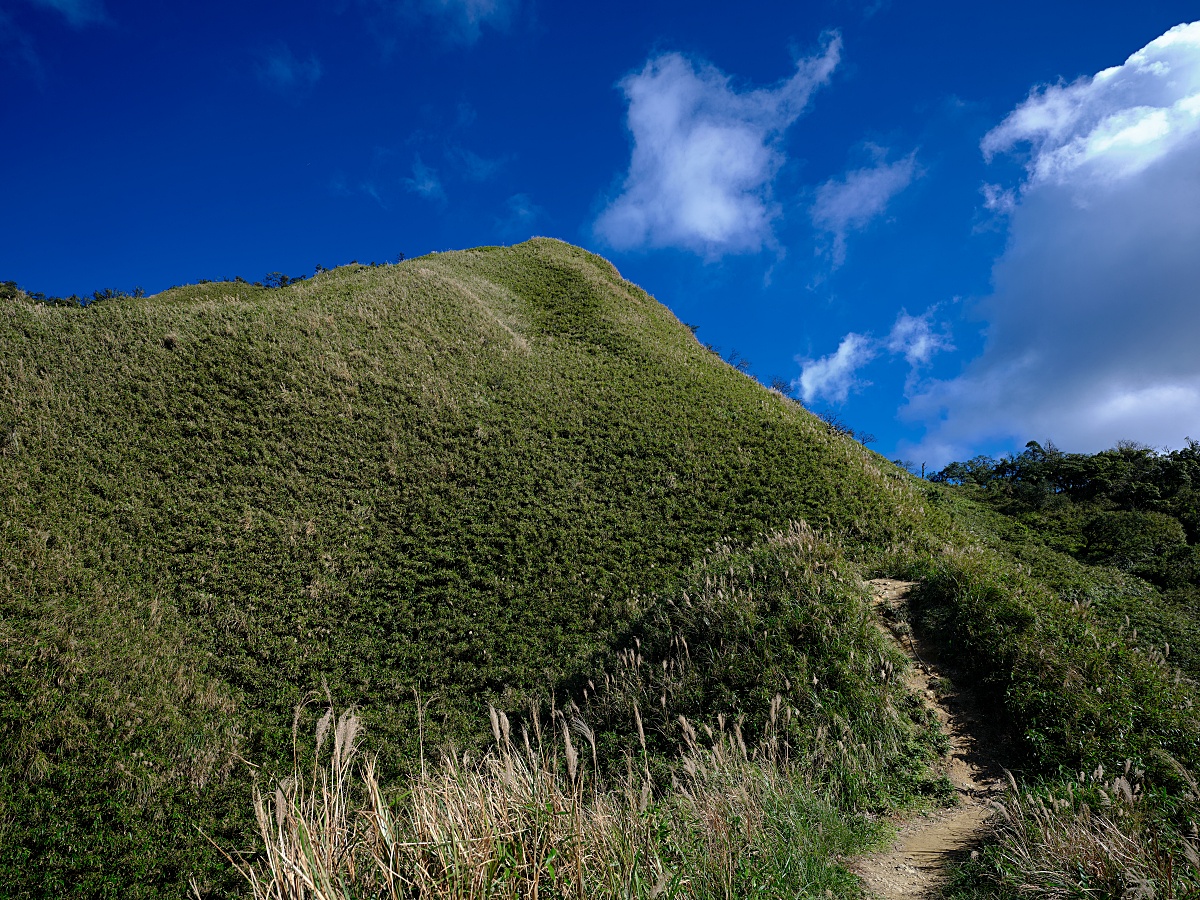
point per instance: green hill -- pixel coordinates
(472, 477)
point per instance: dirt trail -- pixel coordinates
(916, 864)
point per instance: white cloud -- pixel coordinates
(832, 377)
(282, 71)
(1115, 124)
(705, 155)
(425, 182)
(78, 13)
(850, 203)
(914, 337)
(1095, 312)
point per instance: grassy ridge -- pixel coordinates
(459, 475)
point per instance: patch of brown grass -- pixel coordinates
(528, 819)
(1097, 839)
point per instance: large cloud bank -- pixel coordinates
(1094, 323)
(705, 155)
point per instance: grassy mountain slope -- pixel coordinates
(473, 477)
(456, 476)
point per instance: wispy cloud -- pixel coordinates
(705, 155)
(851, 202)
(16, 47)
(425, 182)
(16, 44)
(467, 18)
(832, 378)
(472, 166)
(520, 215)
(458, 21)
(78, 13)
(1093, 321)
(998, 199)
(282, 71)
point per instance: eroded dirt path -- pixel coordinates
(917, 863)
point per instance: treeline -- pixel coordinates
(9, 290)
(1131, 507)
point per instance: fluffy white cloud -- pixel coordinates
(832, 377)
(914, 338)
(705, 155)
(1095, 313)
(850, 203)
(1114, 125)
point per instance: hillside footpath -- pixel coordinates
(917, 862)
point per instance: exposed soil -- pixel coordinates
(916, 865)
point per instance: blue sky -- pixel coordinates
(957, 226)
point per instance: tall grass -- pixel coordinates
(1100, 835)
(531, 819)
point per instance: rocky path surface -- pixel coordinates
(916, 864)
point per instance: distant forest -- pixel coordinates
(1132, 507)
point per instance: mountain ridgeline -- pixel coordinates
(477, 477)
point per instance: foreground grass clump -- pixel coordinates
(531, 819)
(1095, 835)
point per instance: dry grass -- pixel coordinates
(1095, 840)
(527, 820)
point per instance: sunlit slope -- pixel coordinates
(454, 476)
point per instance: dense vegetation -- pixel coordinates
(1130, 516)
(502, 476)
